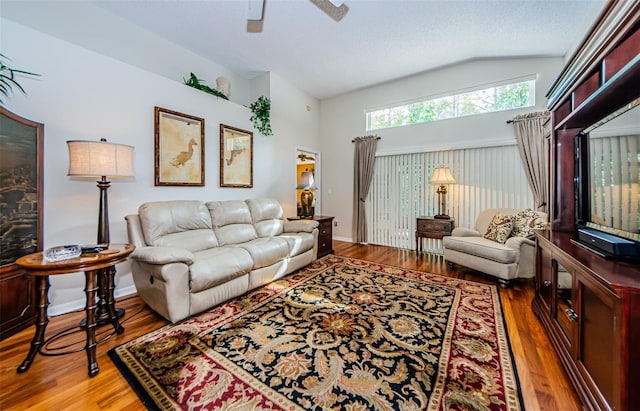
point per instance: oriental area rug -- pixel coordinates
(340, 334)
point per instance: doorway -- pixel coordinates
(308, 179)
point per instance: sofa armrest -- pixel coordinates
(300, 226)
(163, 255)
(465, 232)
(518, 242)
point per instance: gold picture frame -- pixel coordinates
(179, 149)
(236, 157)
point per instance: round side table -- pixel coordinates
(91, 264)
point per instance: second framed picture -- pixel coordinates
(236, 157)
(179, 149)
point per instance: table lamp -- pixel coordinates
(441, 177)
(101, 159)
(307, 184)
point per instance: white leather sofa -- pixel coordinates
(513, 259)
(192, 255)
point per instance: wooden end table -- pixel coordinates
(431, 227)
(92, 265)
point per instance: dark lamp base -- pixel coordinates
(442, 216)
(103, 317)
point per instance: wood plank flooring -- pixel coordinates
(61, 382)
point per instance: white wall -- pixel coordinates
(85, 95)
(343, 118)
(89, 26)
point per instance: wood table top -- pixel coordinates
(37, 265)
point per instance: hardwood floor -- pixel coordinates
(61, 382)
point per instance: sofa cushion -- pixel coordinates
(298, 242)
(499, 228)
(185, 224)
(526, 221)
(231, 221)
(218, 265)
(266, 251)
(300, 226)
(482, 247)
(267, 216)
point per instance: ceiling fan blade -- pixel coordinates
(255, 9)
(335, 9)
(254, 26)
(255, 14)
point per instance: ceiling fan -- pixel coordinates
(336, 9)
(304, 157)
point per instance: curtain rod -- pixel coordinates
(377, 138)
(525, 118)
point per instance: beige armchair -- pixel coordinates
(513, 259)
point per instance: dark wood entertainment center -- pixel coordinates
(589, 305)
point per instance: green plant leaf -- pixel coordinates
(261, 112)
(7, 78)
(195, 82)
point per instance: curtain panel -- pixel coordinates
(363, 159)
(529, 130)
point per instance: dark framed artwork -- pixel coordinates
(179, 149)
(21, 176)
(21, 216)
(236, 157)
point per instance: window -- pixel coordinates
(496, 98)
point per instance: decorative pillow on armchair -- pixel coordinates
(500, 228)
(525, 222)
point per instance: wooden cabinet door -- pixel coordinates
(17, 301)
(598, 355)
(544, 284)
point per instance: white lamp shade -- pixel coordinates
(99, 158)
(442, 175)
(306, 181)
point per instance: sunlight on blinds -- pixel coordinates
(486, 177)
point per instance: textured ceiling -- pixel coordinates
(377, 41)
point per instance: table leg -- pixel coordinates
(114, 313)
(42, 285)
(106, 311)
(90, 309)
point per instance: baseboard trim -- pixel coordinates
(77, 305)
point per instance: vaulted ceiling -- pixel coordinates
(377, 41)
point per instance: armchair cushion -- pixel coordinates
(465, 232)
(480, 247)
(500, 228)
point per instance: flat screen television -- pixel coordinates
(608, 184)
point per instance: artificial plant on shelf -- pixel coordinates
(195, 82)
(7, 77)
(260, 118)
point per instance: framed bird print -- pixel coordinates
(236, 157)
(179, 149)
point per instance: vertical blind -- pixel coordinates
(614, 181)
(487, 177)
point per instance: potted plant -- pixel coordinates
(195, 82)
(7, 77)
(260, 118)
